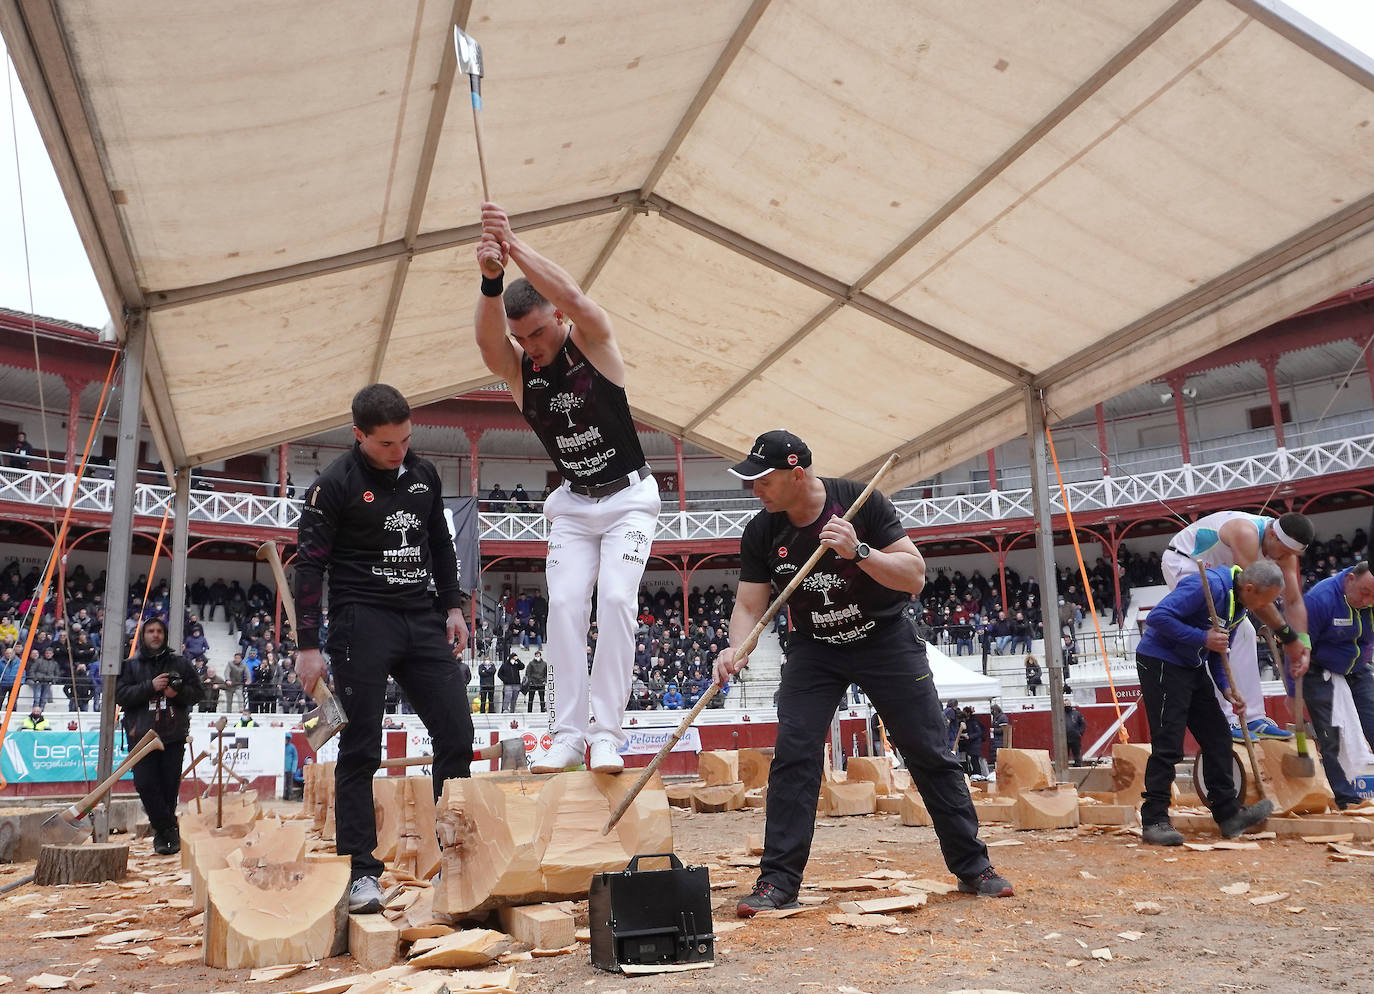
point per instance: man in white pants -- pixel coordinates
(569, 383)
(1239, 538)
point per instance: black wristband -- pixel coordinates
(491, 286)
(1286, 635)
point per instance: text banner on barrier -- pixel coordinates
(54, 757)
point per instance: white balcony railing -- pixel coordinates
(39, 489)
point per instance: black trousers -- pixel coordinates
(1178, 700)
(366, 644)
(157, 778)
(485, 695)
(1318, 693)
(529, 698)
(890, 666)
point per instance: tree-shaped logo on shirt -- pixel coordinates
(402, 522)
(565, 404)
(637, 537)
(823, 583)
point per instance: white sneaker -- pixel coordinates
(564, 755)
(605, 758)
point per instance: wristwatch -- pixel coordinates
(861, 552)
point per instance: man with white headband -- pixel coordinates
(1239, 538)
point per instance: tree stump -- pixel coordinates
(1023, 769)
(718, 768)
(86, 863)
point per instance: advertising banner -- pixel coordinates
(55, 757)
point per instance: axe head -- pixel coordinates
(469, 53)
(58, 831)
(323, 722)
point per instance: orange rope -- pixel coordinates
(1087, 587)
(148, 587)
(58, 543)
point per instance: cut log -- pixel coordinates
(873, 769)
(726, 797)
(753, 844)
(268, 841)
(718, 768)
(543, 926)
(373, 942)
(1056, 807)
(388, 809)
(1000, 809)
(510, 839)
(843, 799)
(194, 830)
(84, 863)
(1023, 769)
(470, 947)
(1289, 828)
(756, 798)
(1128, 771)
(889, 804)
(417, 850)
(1298, 795)
(753, 767)
(1107, 814)
(278, 913)
(680, 794)
(20, 838)
(914, 810)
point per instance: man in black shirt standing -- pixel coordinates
(569, 383)
(374, 521)
(847, 627)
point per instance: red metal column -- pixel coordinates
(681, 484)
(992, 470)
(74, 388)
(281, 470)
(1369, 366)
(1176, 385)
(1270, 364)
(1002, 570)
(474, 436)
(1102, 440)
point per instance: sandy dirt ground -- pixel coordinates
(1072, 926)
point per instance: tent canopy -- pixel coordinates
(883, 225)
(958, 682)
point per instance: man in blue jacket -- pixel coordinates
(1179, 648)
(1340, 621)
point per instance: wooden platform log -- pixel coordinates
(1332, 824)
(753, 767)
(278, 913)
(714, 799)
(388, 808)
(511, 839)
(269, 841)
(1298, 795)
(843, 799)
(999, 809)
(193, 831)
(323, 796)
(1023, 769)
(417, 850)
(889, 804)
(719, 767)
(914, 811)
(543, 926)
(373, 942)
(1107, 814)
(875, 769)
(83, 863)
(1128, 771)
(756, 798)
(1055, 807)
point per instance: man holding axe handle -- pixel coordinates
(157, 690)
(1182, 662)
(374, 522)
(848, 627)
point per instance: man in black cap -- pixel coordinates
(848, 627)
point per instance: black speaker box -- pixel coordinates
(649, 918)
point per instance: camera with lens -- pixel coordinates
(175, 681)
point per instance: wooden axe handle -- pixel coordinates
(149, 743)
(268, 551)
(400, 762)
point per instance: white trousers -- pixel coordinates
(1244, 652)
(602, 542)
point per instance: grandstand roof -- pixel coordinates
(877, 224)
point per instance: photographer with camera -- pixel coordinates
(157, 689)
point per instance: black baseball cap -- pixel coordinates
(778, 449)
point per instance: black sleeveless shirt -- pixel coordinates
(582, 418)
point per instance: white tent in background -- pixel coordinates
(959, 682)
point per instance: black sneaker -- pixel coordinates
(1161, 833)
(766, 897)
(986, 884)
(166, 844)
(1247, 817)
